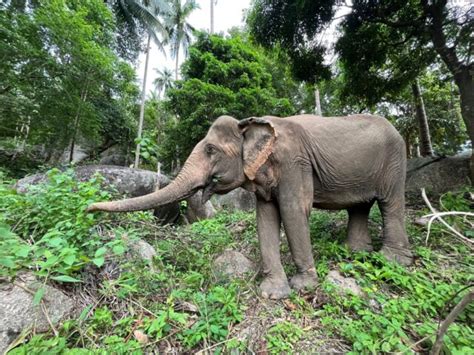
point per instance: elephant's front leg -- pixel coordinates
(275, 284)
(296, 200)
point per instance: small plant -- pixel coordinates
(51, 232)
(217, 309)
(282, 337)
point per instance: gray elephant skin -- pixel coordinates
(293, 164)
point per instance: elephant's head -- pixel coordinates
(232, 154)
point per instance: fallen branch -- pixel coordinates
(468, 298)
(437, 215)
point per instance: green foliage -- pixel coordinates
(62, 81)
(293, 25)
(401, 304)
(51, 232)
(217, 309)
(176, 299)
(282, 337)
(220, 77)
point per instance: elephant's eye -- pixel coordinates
(210, 149)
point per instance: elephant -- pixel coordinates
(293, 164)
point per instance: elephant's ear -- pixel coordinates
(259, 138)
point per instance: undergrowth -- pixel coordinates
(177, 303)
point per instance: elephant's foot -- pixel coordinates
(304, 280)
(275, 288)
(359, 245)
(400, 255)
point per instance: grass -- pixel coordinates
(176, 304)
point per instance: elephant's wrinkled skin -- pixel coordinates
(294, 164)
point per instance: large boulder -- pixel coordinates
(114, 155)
(18, 311)
(436, 175)
(238, 199)
(132, 183)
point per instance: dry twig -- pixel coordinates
(437, 215)
(468, 298)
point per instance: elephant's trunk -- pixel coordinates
(193, 175)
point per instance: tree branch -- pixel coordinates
(468, 298)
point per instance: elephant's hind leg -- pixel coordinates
(358, 238)
(395, 242)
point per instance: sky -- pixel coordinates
(227, 14)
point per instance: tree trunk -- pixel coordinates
(77, 119)
(142, 105)
(463, 73)
(318, 102)
(465, 83)
(407, 144)
(212, 17)
(177, 64)
(426, 150)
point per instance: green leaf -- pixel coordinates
(7, 262)
(38, 295)
(23, 251)
(98, 261)
(69, 259)
(55, 242)
(101, 251)
(118, 249)
(84, 313)
(65, 278)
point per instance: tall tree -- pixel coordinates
(426, 150)
(163, 81)
(213, 2)
(412, 32)
(61, 80)
(180, 31)
(146, 13)
(221, 76)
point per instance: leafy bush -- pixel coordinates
(48, 230)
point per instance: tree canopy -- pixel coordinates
(63, 79)
(222, 76)
(383, 47)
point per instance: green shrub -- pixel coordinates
(48, 230)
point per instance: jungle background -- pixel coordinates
(73, 93)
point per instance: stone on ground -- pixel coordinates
(18, 313)
(344, 284)
(232, 264)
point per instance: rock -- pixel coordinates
(114, 155)
(115, 159)
(17, 311)
(238, 199)
(142, 249)
(422, 221)
(344, 284)
(197, 211)
(232, 264)
(79, 154)
(436, 175)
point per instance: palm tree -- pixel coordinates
(213, 2)
(146, 13)
(164, 81)
(179, 29)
